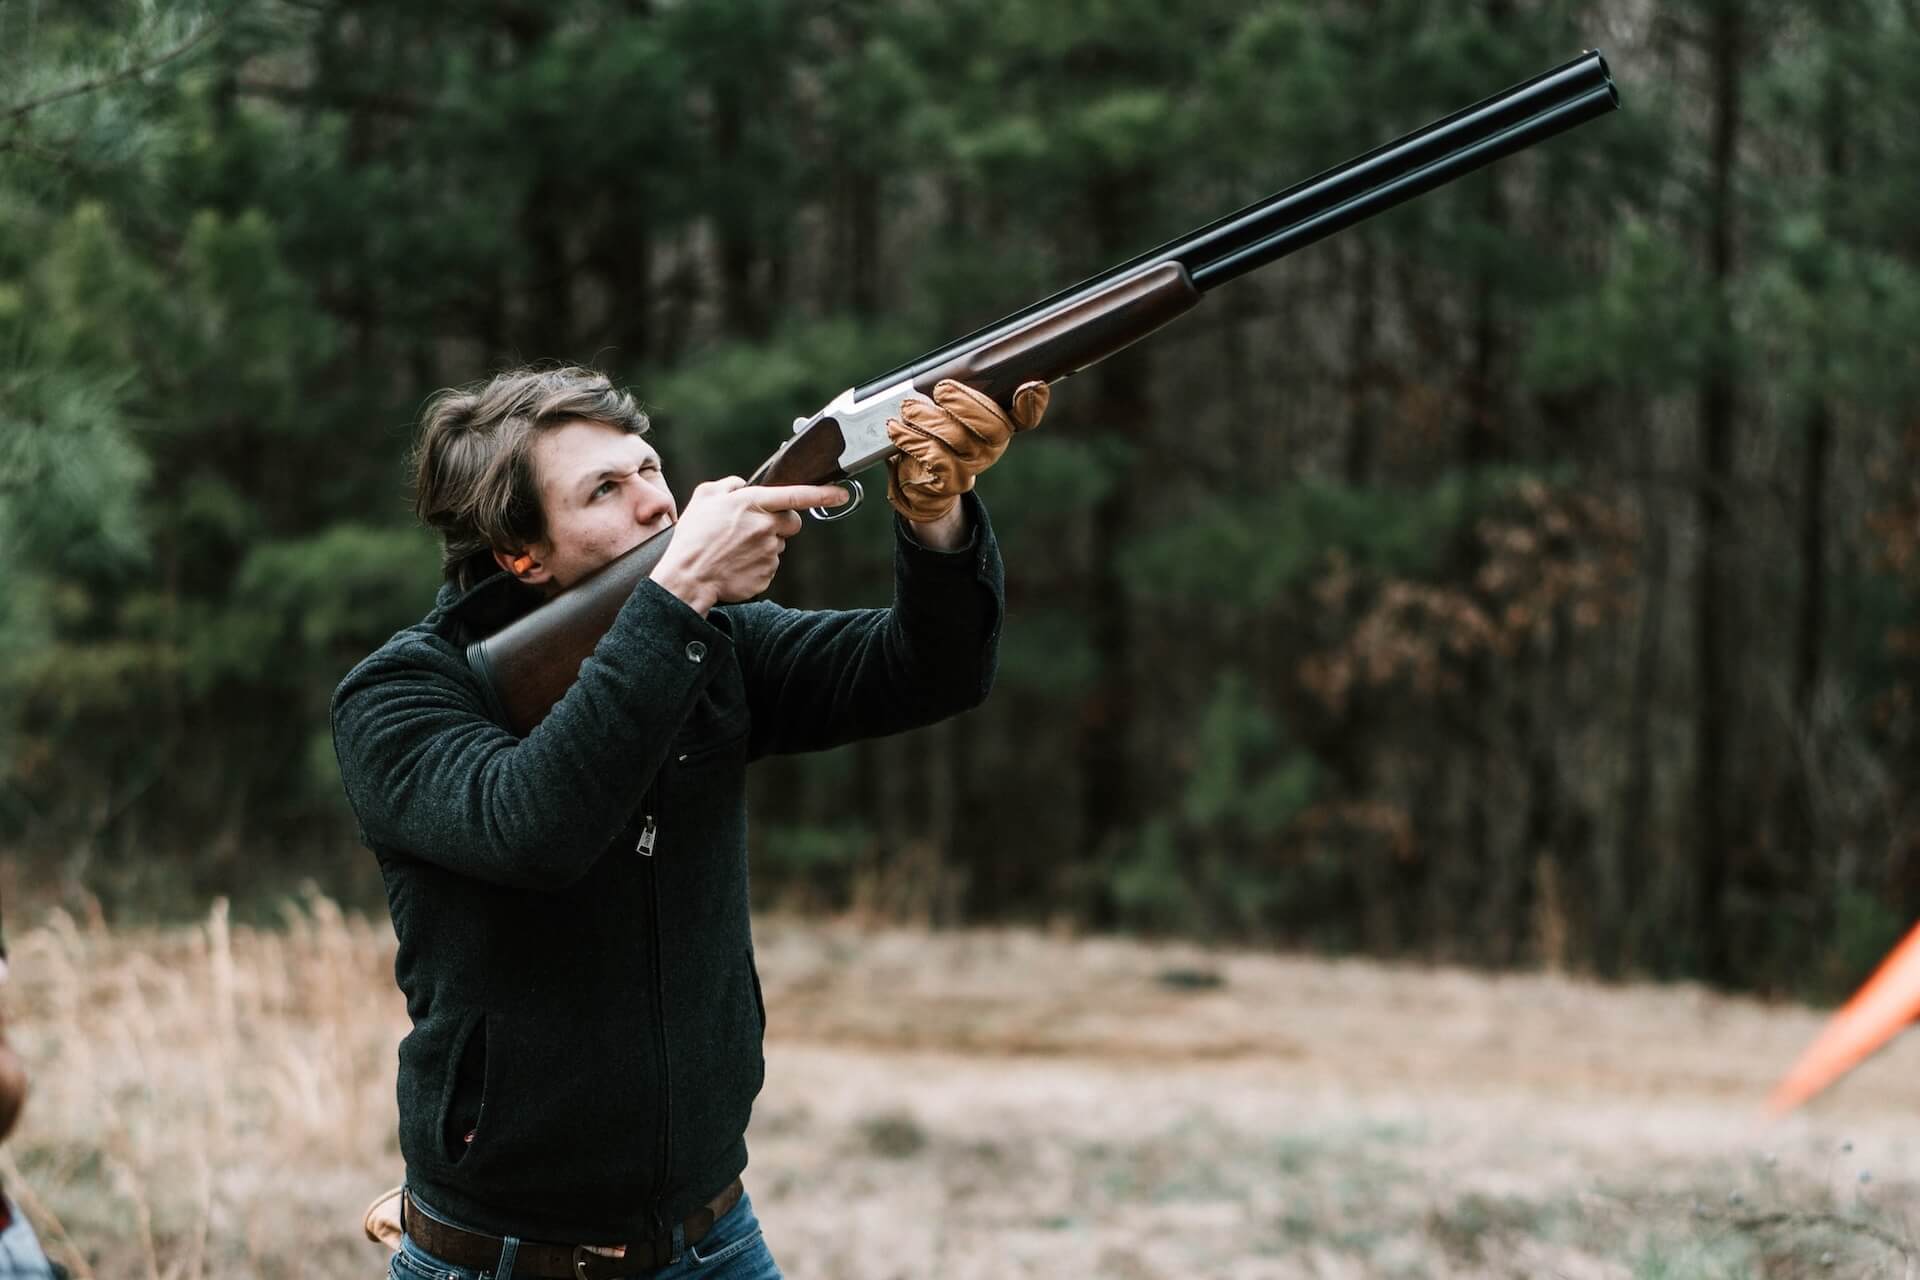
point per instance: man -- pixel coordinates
(572, 907)
(20, 1255)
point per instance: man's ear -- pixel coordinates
(522, 565)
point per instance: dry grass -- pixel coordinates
(218, 1102)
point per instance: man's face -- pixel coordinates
(603, 493)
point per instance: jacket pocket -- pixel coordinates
(463, 1099)
(716, 727)
(759, 1000)
(694, 754)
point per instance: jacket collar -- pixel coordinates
(487, 605)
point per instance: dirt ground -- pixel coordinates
(218, 1102)
(1104, 1108)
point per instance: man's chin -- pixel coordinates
(555, 585)
(647, 535)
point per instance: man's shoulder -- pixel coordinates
(427, 650)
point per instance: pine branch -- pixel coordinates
(391, 103)
(20, 110)
(54, 156)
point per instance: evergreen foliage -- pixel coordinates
(1532, 574)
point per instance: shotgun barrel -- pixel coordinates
(1229, 247)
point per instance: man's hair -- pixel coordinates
(473, 474)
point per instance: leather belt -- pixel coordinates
(537, 1261)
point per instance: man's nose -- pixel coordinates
(650, 500)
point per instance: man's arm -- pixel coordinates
(816, 679)
(429, 773)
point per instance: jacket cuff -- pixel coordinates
(977, 557)
(660, 630)
(965, 586)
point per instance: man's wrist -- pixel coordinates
(950, 532)
(691, 591)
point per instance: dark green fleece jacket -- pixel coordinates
(587, 1021)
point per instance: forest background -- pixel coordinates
(1530, 576)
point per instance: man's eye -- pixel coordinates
(603, 488)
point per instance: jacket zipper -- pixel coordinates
(648, 834)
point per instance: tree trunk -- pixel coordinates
(624, 260)
(1484, 440)
(1802, 833)
(1505, 872)
(1713, 835)
(1109, 804)
(1362, 362)
(546, 322)
(1618, 945)
(740, 305)
(1540, 909)
(861, 272)
(546, 311)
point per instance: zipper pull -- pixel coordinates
(647, 834)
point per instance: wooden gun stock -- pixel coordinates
(529, 665)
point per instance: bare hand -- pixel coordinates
(13, 1082)
(727, 544)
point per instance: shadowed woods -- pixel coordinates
(1526, 576)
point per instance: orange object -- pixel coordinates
(522, 563)
(1884, 1004)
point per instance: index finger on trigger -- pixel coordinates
(798, 497)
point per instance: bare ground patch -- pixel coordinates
(219, 1102)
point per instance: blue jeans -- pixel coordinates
(733, 1250)
(20, 1255)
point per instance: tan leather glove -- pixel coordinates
(944, 445)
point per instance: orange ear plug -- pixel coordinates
(522, 563)
(1887, 1002)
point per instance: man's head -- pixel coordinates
(543, 472)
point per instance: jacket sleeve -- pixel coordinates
(818, 679)
(429, 774)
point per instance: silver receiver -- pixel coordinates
(863, 423)
(863, 435)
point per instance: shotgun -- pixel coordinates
(527, 667)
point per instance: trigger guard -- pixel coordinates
(826, 516)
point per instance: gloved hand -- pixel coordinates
(944, 445)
